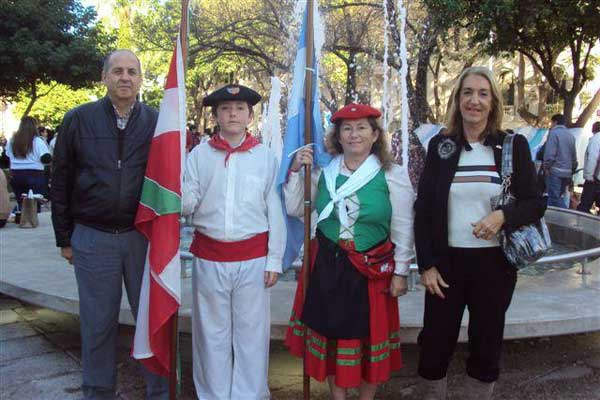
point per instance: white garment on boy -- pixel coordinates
(233, 200)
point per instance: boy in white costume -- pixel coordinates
(230, 191)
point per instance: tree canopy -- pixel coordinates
(49, 110)
(48, 42)
(540, 30)
(45, 44)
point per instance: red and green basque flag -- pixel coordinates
(158, 220)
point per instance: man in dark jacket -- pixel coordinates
(99, 163)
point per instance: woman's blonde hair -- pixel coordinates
(454, 120)
(380, 148)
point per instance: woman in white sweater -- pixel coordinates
(28, 153)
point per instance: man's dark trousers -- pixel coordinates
(103, 261)
(589, 196)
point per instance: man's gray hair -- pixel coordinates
(106, 63)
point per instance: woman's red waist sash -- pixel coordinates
(211, 249)
(376, 263)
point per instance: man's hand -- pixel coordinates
(398, 286)
(67, 253)
(433, 282)
(271, 278)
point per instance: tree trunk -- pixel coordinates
(542, 93)
(351, 78)
(521, 83)
(527, 116)
(436, 90)
(421, 106)
(34, 97)
(588, 111)
(412, 98)
(568, 106)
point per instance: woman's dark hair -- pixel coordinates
(558, 119)
(22, 141)
(380, 148)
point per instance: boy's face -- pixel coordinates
(233, 117)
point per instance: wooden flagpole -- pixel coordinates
(175, 317)
(173, 360)
(308, 105)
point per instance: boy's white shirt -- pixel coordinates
(236, 202)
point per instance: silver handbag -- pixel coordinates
(528, 243)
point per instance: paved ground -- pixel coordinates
(40, 360)
(544, 304)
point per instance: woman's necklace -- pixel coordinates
(348, 168)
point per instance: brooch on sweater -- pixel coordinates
(446, 148)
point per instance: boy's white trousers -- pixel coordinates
(230, 330)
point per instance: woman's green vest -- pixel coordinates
(373, 223)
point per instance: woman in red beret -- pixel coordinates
(361, 255)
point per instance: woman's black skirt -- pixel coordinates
(337, 298)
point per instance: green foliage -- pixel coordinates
(539, 29)
(51, 108)
(534, 25)
(153, 95)
(48, 41)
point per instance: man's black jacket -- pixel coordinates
(431, 206)
(98, 170)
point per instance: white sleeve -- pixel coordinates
(191, 192)
(293, 191)
(40, 147)
(52, 144)
(592, 157)
(8, 150)
(402, 198)
(276, 219)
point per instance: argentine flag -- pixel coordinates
(294, 134)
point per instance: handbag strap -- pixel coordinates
(507, 162)
(507, 156)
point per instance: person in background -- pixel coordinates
(460, 259)
(51, 133)
(52, 143)
(43, 133)
(191, 138)
(560, 162)
(591, 172)
(4, 160)
(4, 200)
(28, 152)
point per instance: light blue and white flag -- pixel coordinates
(294, 134)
